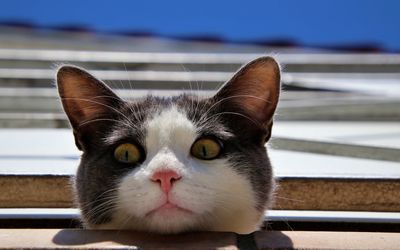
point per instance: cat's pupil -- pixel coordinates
(204, 151)
(126, 155)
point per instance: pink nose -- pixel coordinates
(166, 178)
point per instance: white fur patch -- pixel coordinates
(218, 197)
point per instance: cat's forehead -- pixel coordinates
(169, 126)
(164, 119)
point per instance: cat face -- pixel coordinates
(174, 164)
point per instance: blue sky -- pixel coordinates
(307, 22)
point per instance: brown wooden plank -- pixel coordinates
(292, 194)
(338, 194)
(35, 191)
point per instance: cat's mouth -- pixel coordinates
(168, 208)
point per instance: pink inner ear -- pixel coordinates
(260, 107)
(81, 98)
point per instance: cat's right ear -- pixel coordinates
(253, 92)
(84, 97)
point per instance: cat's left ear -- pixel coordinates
(85, 99)
(253, 90)
(83, 96)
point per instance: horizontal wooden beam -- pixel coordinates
(293, 193)
(92, 239)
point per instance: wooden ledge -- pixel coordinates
(90, 239)
(54, 191)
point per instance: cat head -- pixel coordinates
(173, 164)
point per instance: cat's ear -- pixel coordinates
(253, 90)
(83, 96)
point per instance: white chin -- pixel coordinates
(165, 221)
(171, 221)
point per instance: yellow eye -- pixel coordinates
(206, 149)
(127, 153)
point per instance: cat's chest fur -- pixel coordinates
(174, 164)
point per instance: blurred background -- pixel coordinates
(340, 61)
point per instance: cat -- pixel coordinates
(174, 164)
